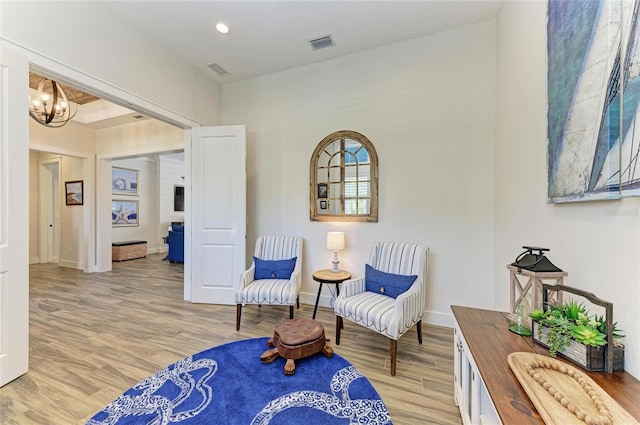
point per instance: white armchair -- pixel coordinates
(389, 316)
(274, 291)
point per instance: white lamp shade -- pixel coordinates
(335, 241)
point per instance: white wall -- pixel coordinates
(597, 243)
(427, 105)
(70, 138)
(138, 138)
(72, 232)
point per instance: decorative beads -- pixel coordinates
(604, 418)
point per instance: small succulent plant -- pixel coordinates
(601, 325)
(588, 335)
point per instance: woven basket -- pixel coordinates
(128, 252)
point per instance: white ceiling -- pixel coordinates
(271, 36)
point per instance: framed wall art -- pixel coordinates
(124, 181)
(322, 190)
(124, 213)
(593, 95)
(74, 192)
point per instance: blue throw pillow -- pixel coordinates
(388, 284)
(274, 269)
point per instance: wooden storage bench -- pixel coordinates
(128, 250)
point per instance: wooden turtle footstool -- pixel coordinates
(296, 339)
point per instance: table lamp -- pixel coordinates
(335, 242)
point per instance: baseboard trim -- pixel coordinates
(438, 318)
(326, 298)
(34, 260)
(70, 264)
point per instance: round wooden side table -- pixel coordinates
(329, 277)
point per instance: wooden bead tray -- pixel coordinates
(565, 395)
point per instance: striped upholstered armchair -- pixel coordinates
(390, 298)
(274, 277)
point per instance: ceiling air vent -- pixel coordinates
(322, 42)
(218, 69)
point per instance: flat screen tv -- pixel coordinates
(178, 198)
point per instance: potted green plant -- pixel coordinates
(569, 330)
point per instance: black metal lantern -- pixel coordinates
(528, 273)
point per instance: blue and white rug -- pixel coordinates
(229, 385)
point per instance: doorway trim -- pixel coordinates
(98, 250)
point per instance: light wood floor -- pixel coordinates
(92, 336)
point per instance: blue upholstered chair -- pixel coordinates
(175, 240)
(378, 304)
(272, 251)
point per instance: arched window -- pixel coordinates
(344, 179)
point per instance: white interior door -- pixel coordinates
(55, 212)
(14, 217)
(45, 234)
(49, 210)
(215, 256)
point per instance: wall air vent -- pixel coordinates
(218, 69)
(322, 42)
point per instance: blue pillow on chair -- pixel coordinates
(388, 284)
(274, 269)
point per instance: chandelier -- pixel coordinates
(51, 107)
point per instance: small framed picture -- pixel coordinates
(322, 190)
(323, 205)
(124, 181)
(124, 213)
(74, 193)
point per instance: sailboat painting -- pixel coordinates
(593, 91)
(629, 146)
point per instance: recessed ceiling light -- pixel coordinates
(222, 28)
